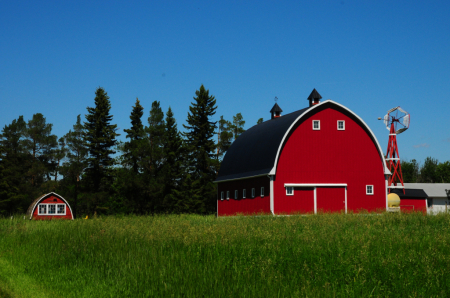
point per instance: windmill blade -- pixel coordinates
(406, 120)
(391, 110)
(399, 131)
(402, 110)
(386, 121)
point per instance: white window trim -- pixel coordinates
(221, 195)
(367, 190)
(47, 209)
(253, 192)
(287, 191)
(236, 194)
(262, 191)
(228, 194)
(343, 123)
(318, 121)
(244, 193)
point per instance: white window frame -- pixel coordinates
(253, 192)
(221, 195)
(244, 193)
(318, 122)
(262, 191)
(367, 190)
(48, 209)
(228, 194)
(343, 124)
(236, 194)
(39, 209)
(289, 190)
(65, 208)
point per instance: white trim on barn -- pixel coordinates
(308, 111)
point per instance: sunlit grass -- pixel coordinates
(263, 256)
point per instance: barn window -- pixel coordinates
(61, 208)
(42, 209)
(236, 195)
(221, 195)
(262, 192)
(341, 125)
(228, 194)
(244, 193)
(289, 191)
(369, 189)
(316, 124)
(253, 192)
(51, 209)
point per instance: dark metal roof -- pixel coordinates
(253, 153)
(410, 193)
(314, 95)
(276, 108)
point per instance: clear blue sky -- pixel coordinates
(367, 55)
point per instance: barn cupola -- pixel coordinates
(276, 111)
(314, 98)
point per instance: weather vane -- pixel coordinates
(276, 99)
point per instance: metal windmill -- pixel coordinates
(396, 121)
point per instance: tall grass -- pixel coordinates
(195, 256)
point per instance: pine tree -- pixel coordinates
(135, 134)
(77, 154)
(200, 133)
(173, 166)
(100, 136)
(225, 136)
(238, 125)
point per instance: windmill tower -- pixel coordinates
(396, 121)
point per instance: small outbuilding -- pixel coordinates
(414, 199)
(437, 196)
(49, 206)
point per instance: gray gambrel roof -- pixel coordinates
(256, 151)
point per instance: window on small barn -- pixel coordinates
(430, 202)
(42, 209)
(289, 191)
(341, 125)
(236, 195)
(262, 192)
(253, 192)
(61, 208)
(369, 189)
(228, 194)
(51, 209)
(244, 193)
(221, 195)
(316, 124)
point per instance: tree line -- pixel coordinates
(432, 171)
(158, 169)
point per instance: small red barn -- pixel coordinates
(321, 158)
(49, 206)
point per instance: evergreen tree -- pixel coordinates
(77, 154)
(225, 136)
(238, 125)
(135, 134)
(173, 166)
(260, 120)
(100, 136)
(199, 138)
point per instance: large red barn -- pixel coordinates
(321, 158)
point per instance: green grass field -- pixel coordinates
(395, 255)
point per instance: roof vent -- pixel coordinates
(276, 111)
(314, 98)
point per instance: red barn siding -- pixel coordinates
(51, 200)
(302, 201)
(410, 204)
(330, 199)
(248, 205)
(329, 155)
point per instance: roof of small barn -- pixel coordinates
(410, 193)
(254, 151)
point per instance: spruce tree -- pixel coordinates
(173, 163)
(100, 136)
(135, 134)
(77, 154)
(199, 138)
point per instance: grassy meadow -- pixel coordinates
(325, 255)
